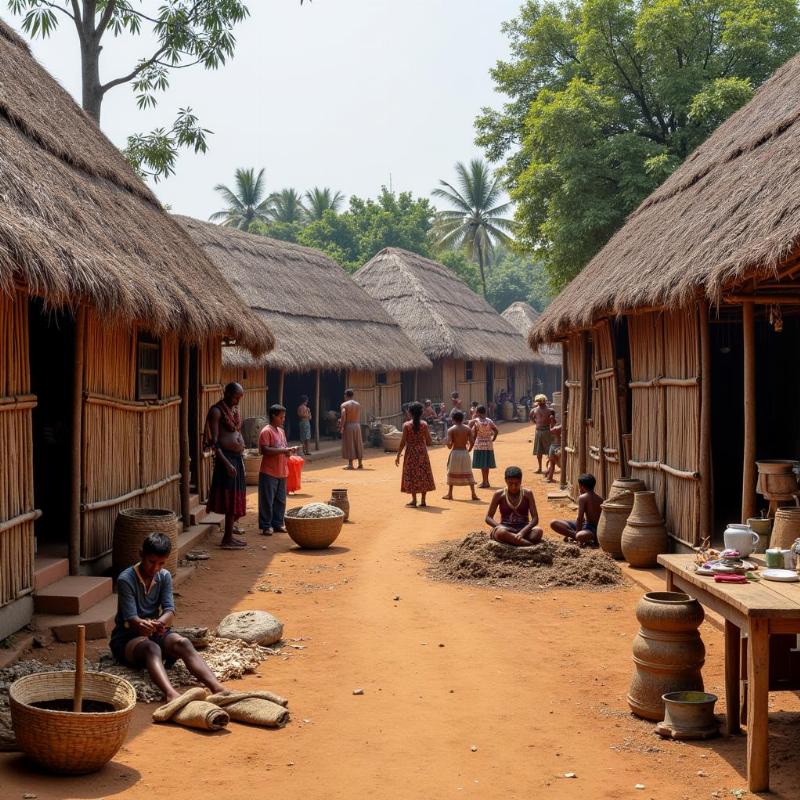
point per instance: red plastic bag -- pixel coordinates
(295, 469)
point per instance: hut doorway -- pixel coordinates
(194, 420)
(52, 354)
(408, 394)
(296, 384)
(490, 382)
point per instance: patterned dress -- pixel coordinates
(417, 472)
(483, 449)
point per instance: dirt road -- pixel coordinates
(468, 692)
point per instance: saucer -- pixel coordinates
(784, 575)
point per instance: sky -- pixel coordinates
(348, 94)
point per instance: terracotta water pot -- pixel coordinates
(668, 653)
(623, 489)
(339, 499)
(645, 536)
(616, 510)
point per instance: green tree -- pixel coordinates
(458, 262)
(247, 203)
(516, 277)
(476, 222)
(607, 97)
(318, 201)
(178, 34)
(287, 207)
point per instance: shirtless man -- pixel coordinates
(584, 529)
(518, 514)
(455, 401)
(541, 416)
(460, 438)
(228, 493)
(350, 428)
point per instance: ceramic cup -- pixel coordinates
(775, 558)
(741, 538)
(788, 559)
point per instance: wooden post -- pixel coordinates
(317, 412)
(757, 703)
(733, 638)
(749, 461)
(562, 462)
(280, 386)
(184, 435)
(706, 478)
(586, 387)
(76, 461)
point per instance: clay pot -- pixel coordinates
(786, 527)
(339, 500)
(762, 527)
(668, 652)
(623, 489)
(776, 478)
(644, 536)
(688, 715)
(610, 527)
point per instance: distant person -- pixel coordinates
(554, 452)
(304, 417)
(455, 403)
(460, 438)
(350, 428)
(519, 517)
(428, 411)
(584, 529)
(541, 416)
(417, 472)
(222, 435)
(485, 432)
(273, 473)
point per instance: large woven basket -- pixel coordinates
(391, 444)
(313, 534)
(63, 741)
(132, 527)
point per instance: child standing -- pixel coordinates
(483, 449)
(554, 453)
(460, 438)
(584, 529)
(304, 417)
(274, 470)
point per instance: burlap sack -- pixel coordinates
(193, 710)
(255, 708)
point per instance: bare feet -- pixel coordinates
(232, 544)
(349, 466)
(412, 504)
(423, 504)
(171, 695)
(475, 497)
(484, 486)
(360, 465)
(447, 497)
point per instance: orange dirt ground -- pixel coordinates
(468, 692)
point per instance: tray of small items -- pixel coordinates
(729, 562)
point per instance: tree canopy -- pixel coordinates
(607, 97)
(247, 203)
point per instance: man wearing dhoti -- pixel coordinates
(350, 428)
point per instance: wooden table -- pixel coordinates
(756, 610)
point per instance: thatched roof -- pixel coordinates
(523, 316)
(77, 224)
(438, 311)
(730, 211)
(320, 317)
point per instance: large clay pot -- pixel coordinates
(623, 489)
(616, 510)
(786, 527)
(645, 536)
(340, 500)
(776, 478)
(668, 652)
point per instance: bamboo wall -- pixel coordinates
(17, 513)
(130, 452)
(429, 384)
(378, 401)
(469, 390)
(606, 434)
(254, 382)
(209, 359)
(575, 412)
(665, 390)
(501, 381)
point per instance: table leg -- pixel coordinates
(670, 582)
(733, 638)
(757, 705)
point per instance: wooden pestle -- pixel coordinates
(80, 647)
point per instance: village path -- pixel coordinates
(535, 682)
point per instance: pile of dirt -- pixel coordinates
(480, 560)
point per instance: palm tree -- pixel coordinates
(476, 223)
(287, 206)
(318, 201)
(247, 203)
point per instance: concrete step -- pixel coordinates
(47, 571)
(99, 621)
(72, 595)
(199, 516)
(194, 537)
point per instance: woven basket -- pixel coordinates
(313, 534)
(131, 528)
(252, 468)
(62, 741)
(391, 444)
(786, 527)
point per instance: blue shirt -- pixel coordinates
(134, 601)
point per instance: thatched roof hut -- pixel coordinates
(729, 213)
(523, 317)
(320, 317)
(100, 235)
(438, 311)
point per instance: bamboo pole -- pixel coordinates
(706, 478)
(562, 471)
(76, 465)
(586, 387)
(317, 411)
(281, 380)
(762, 299)
(749, 461)
(80, 651)
(184, 435)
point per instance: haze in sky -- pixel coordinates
(339, 93)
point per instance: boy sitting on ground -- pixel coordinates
(146, 609)
(584, 529)
(518, 513)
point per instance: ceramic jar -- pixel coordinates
(762, 528)
(616, 510)
(644, 536)
(340, 500)
(668, 653)
(741, 538)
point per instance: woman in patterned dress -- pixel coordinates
(417, 472)
(483, 449)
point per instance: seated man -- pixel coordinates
(428, 411)
(584, 529)
(146, 609)
(518, 514)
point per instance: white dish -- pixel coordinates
(703, 570)
(785, 575)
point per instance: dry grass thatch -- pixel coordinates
(522, 316)
(438, 311)
(76, 223)
(320, 317)
(730, 212)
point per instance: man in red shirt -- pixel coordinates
(274, 470)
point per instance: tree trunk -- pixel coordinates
(92, 94)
